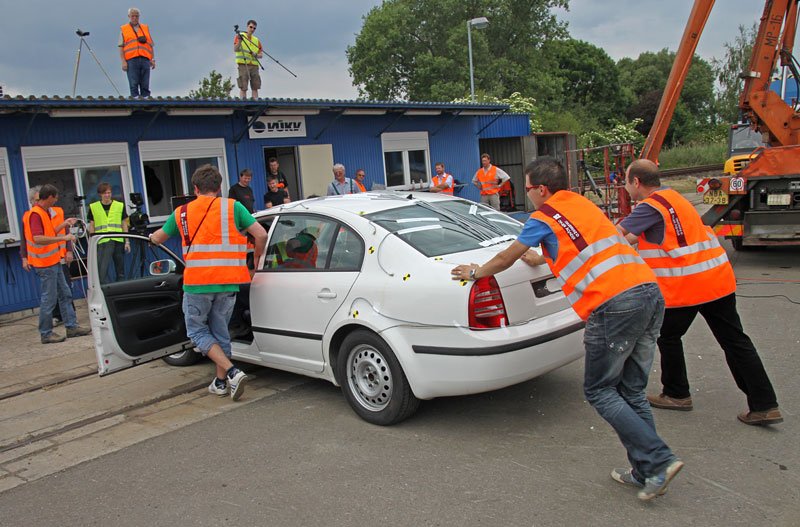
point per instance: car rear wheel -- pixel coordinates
(182, 358)
(373, 381)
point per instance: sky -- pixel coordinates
(38, 44)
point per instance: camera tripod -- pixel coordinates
(252, 55)
(83, 34)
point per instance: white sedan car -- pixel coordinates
(357, 290)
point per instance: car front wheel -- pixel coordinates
(373, 381)
(182, 358)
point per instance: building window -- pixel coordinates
(9, 230)
(168, 167)
(406, 158)
(76, 170)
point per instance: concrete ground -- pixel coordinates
(532, 454)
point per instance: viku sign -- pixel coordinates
(275, 127)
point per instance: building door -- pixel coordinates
(287, 163)
(316, 164)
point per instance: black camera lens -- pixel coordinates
(142, 40)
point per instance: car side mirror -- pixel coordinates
(162, 267)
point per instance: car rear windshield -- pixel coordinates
(434, 232)
(499, 222)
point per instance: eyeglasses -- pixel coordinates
(528, 188)
(252, 27)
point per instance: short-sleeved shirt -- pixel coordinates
(243, 195)
(243, 220)
(645, 219)
(536, 232)
(348, 187)
(276, 198)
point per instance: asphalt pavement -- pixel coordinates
(534, 454)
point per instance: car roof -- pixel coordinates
(360, 204)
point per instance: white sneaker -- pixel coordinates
(216, 390)
(236, 384)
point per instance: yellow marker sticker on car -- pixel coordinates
(406, 277)
(464, 282)
(371, 250)
(438, 258)
(355, 314)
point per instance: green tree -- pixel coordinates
(417, 49)
(213, 87)
(727, 71)
(588, 78)
(643, 81)
(518, 104)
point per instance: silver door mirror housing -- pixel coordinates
(162, 267)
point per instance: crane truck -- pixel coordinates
(760, 204)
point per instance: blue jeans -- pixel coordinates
(55, 290)
(139, 76)
(620, 340)
(207, 316)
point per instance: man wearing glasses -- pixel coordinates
(248, 50)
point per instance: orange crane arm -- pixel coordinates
(677, 76)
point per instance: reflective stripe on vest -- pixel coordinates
(594, 263)
(217, 253)
(439, 180)
(57, 217)
(250, 48)
(488, 180)
(107, 223)
(131, 46)
(691, 266)
(41, 255)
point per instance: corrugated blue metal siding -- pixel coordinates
(355, 141)
(509, 125)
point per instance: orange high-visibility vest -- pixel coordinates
(594, 263)
(41, 255)
(57, 217)
(131, 45)
(690, 264)
(439, 180)
(214, 251)
(488, 180)
(361, 187)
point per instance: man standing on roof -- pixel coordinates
(488, 179)
(214, 249)
(136, 53)
(248, 50)
(442, 181)
(695, 276)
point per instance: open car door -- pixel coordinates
(135, 301)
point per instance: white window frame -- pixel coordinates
(182, 149)
(7, 187)
(403, 142)
(77, 157)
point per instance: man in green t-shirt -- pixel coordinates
(214, 269)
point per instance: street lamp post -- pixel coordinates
(477, 23)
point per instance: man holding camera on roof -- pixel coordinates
(248, 50)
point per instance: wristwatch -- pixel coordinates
(472, 273)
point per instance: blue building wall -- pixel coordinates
(355, 140)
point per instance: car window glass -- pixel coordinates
(299, 243)
(498, 221)
(115, 265)
(348, 251)
(429, 231)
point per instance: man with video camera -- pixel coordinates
(136, 53)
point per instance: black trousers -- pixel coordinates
(740, 354)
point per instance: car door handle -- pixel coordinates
(162, 284)
(326, 293)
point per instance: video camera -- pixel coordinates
(138, 219)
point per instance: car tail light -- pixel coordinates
(486, 307)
